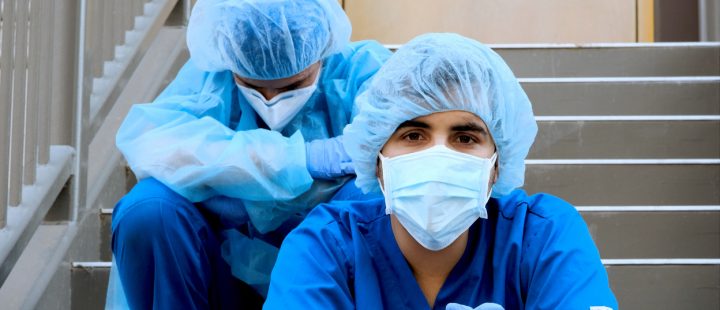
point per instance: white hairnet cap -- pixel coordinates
(265, 39)
(436, 73)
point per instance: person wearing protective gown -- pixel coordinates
(234, 152)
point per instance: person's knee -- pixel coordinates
(148, 189)
(150, 213)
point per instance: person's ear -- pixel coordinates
(378, 172)
(497, 172)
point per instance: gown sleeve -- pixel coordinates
(183, 140)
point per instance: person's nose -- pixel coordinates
(269, 93)
(440, 140)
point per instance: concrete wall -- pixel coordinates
(496, 21)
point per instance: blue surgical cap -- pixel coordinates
(265, 39)
(436, 73)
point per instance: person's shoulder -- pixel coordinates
(346, 214)
(368, 45)
(368, 55)
(541, 205)
(364, 46)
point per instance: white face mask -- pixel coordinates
(436, 194)
(280, 110)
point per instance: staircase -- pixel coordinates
(628, 133)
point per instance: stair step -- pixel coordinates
(666, 286)
(656, 234)
(621, 232)
(611, 139)
(105, 234)
(627, 184)
(89, 284)
(647, 286)
(613, 96)
(658, 59)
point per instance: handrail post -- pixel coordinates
(31, 110)
(82, 100)
(187, 7)
(18, 104)
(46, 85)
(6, 73)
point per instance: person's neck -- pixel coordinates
(430, 268)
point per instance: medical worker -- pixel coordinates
(232, 154)
(442, 133)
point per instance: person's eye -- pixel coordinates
(413, 136)
(466, 139)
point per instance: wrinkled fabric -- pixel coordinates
(436, 73)
(174, 254)
(265, 39)
(327, 159)
(167, 253)
(202, 139)
(532, 252)
(252, 259)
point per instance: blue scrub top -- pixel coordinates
(531, 253)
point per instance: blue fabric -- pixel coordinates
(168, 254)
(265, 40)
(442, 72)
(202, 139)
(531, 253)
(173, 254)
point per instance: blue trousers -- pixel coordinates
(168, 251)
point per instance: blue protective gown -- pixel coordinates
(200, 141)
(531, 253)
(201, 138)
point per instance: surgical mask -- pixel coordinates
(436, 194)
(281, 109)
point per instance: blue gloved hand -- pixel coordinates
(327, 159)
(485, 306)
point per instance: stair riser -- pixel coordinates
(655, 234)
(89, 288)
(627, 140)
(627, 184)
(666, 287)
(621, 61)
(636, 287)
(624, 98)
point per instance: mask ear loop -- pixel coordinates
(388, 199)
(492, 164)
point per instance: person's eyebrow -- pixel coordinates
(412, 123)
(470, 126)
(292, 85)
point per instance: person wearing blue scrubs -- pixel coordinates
(235, 151)
(440, 139)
